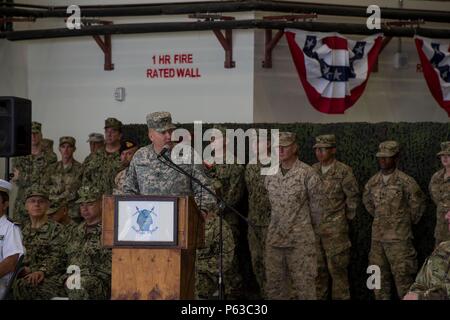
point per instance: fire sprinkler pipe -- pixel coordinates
(229, 6)
(135, 28)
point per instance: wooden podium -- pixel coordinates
(155, 272)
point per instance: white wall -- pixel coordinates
(390, 95)
(72, 94)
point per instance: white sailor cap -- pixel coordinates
(5, 186)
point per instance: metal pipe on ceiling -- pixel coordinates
(136, 28)
(231, 6)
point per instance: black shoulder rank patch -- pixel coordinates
(12, 221)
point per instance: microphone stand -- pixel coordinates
(221, 203)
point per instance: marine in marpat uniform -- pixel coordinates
(297, 203)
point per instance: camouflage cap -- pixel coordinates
(325, 141)
(113, 123)
(47, 144)
(5, 186)
(127, 144)
(67, 139)
(88, 194)
(56, 204)
(37, 191)
(96, 137)
(287, 138)
(36, 127)
(445, 149)
(388, 149)
(160, 121)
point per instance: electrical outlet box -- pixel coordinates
(119, 94)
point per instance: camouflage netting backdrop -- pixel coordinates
(357, 144)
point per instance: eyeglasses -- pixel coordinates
(37, 200)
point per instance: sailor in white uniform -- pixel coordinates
(11, 247)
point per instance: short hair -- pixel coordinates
(4, 196)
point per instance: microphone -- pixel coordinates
(163, 152)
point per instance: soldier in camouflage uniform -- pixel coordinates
(84, 249)
(207, 260)
(59, 212)
(341, 187)
(96, 142)
(440, 193)
(44, 243)
(396, 202)
(258, 215)
(297, 204)
(148, 175)
(64, 177)
(127, 150)
(47, 147)
(28, 171)
(433, 280)
(101, 169)
(228, 182)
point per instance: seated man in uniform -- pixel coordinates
(59, 212)
(44, 243)
(433, 280)
(84, 250)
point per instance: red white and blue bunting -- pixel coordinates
(333, 69)
(435, 59)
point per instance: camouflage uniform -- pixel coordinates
(228, 182)
(44, 252)
(84, 249)
(333, 239)
(101, 169)
(64, 182)
(440, 193)
(31, 174)
(259, 217)
(47, 147)
(93, 137)
(148, 176)
(297, 203)
(433, 280)
(119, 181)
(207, 260)
(395, 206)
(55, 205)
